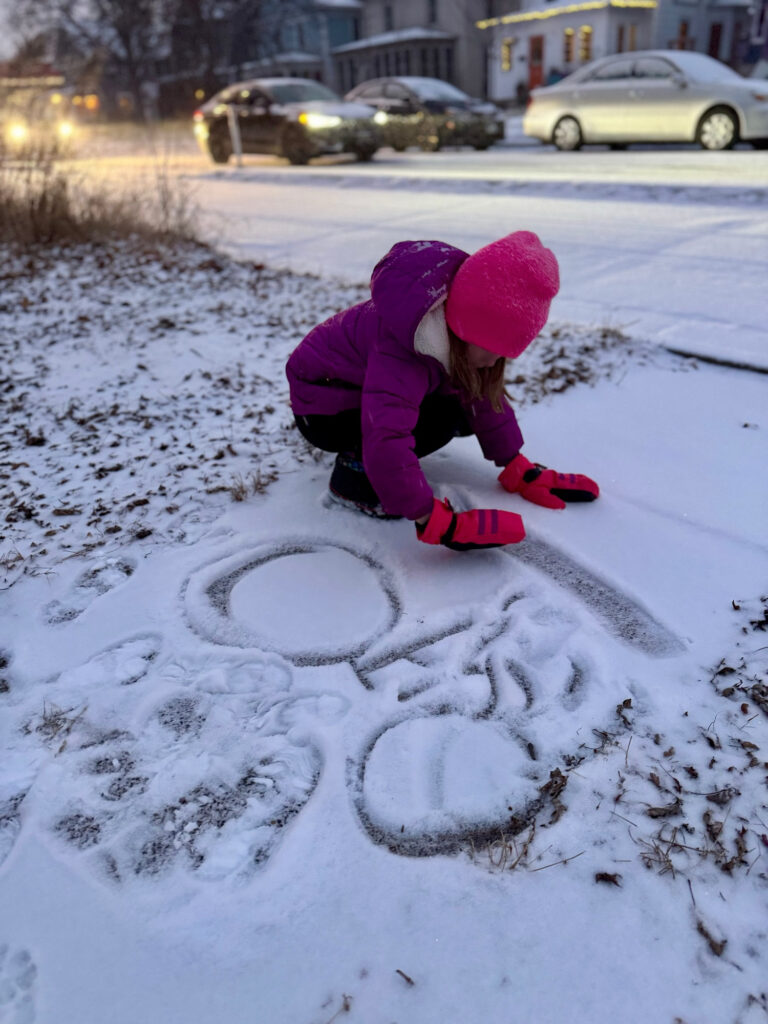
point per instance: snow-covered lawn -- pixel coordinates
(264, 760)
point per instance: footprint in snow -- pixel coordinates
(121, 664)
(17, 986)
(91, 584)
(207, 781)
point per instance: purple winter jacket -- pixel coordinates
(364, 357)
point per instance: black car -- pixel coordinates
(296, 118)
(430, 113)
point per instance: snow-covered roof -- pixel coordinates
(403, 35)
(535, 11)
(354, 5)
(294, 57)
(289, 57)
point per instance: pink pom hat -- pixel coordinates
(500, 297)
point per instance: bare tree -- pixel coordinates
(124, 32)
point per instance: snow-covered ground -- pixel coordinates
(267, 761)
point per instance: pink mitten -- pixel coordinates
(478, 528)
(544, 486)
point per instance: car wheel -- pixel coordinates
(718, 129)
(220, 147)
(296, 147)
(365, 153)
(567, 134)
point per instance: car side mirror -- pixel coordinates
(680, 80)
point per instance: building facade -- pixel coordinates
(548, 39)
(434, 38)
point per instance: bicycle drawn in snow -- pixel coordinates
(494, 687)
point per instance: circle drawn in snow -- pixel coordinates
(429, 782)
(316, 603)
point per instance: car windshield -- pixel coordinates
(301, 92)
(434, 89)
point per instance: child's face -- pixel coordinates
(480, 358)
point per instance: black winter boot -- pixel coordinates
(349, 486)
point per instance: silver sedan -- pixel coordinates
(651, 96)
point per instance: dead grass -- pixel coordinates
(44, 203)
(254, 483)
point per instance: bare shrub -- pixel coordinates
(43, 202)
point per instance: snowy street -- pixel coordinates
(269, 761)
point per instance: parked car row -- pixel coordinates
(300, 119)
(651, 96)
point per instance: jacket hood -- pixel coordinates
(410, 280)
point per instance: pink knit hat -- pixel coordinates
(500, 297)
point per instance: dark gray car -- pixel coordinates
(296, 118)
(429, 113)
(650, 96)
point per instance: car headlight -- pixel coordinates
(314, 120)
(66, 129)
(380, 117)
(17, 131)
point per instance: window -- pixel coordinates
(431, 12)
(424, 63)
(506, 53)
(585, 43)
(653, 67)
(448, 63)
(377, 66)
(301, 92)
(389, 18)
(435, 63)
(715, 36)
(398, 63)
(370, 92)
(394, 91)
(614, 71)
(387, 68)
(620, 39)
(407, 62)
(568, 46)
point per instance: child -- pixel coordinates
(395, 378)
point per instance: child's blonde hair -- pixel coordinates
(484, 382)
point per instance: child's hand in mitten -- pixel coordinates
(544, 486)
(464, 531)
